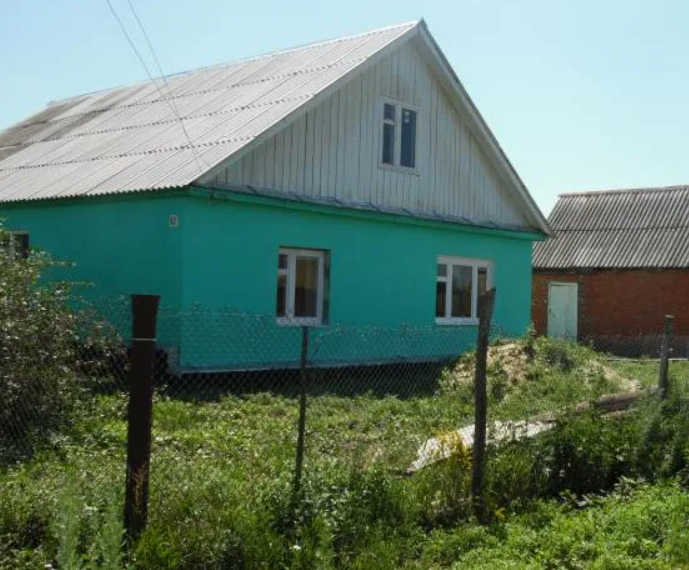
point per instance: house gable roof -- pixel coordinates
(618, 229)
(153, 136)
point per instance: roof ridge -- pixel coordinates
(684, 187)
(242, 60)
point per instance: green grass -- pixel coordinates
(636, 527)
(648, 371)
(222, 473)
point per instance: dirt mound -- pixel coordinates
(518, 362)
(510, 358)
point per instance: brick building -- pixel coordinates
(617, 263)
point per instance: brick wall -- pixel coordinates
(620, 302)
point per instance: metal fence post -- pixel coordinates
(481, 407)
(303, 376)
(664, 356)
(139, 413)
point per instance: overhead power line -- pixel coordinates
(169, 98)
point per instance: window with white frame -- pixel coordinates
(460, 284)
(399, 135)
(301, 286)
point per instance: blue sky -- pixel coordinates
(582, 95)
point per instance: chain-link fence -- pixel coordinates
(250, 414)
(229, 388)
(638, 345)
(372, 394)
(645, 356)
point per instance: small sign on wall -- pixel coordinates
(174, 221)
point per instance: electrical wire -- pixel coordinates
(162, 75)
(159, 90)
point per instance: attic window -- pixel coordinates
(399, 135)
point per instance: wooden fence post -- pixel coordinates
(481, 406)
(303, 374)
(139, 412)
(664, 356)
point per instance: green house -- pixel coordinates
(350, 181)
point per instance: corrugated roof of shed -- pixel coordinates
(618, 229)
(130, 138)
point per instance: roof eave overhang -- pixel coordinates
(265, 196)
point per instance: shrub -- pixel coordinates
(37, 339)
(44, 347)
(588, 454)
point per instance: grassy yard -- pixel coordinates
(637, 527)
(222, 473)
(647, 371)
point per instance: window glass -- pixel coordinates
(388, 143)
(408, 143)
(389, 112)
(461, 291)
(455, 281)
(306, 287)
(302, 285)
(440, 298)
(282, 296)
(482, 286)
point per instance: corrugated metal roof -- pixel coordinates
(131, 139)
(619, 229)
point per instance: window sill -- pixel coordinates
(456, 321)
(399, 169)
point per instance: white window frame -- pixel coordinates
(476, 264)
(290, 273)
(397, 151)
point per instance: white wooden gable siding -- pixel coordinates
(334, 150)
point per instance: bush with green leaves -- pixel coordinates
(38, 333)
(589, 453)
(42, 337)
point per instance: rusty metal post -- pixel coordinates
(303, 374)
(139, 413)
(665, 356)
(481, 406)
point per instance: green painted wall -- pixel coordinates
(119, 244)
(224, 254)
(382, 273)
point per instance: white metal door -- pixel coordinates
(563, 310)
